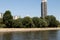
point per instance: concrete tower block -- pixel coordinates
(43, 8)
(44, 0)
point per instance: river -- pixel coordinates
(35, 35)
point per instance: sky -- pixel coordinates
(30, 8)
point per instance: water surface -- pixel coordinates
(36, 35)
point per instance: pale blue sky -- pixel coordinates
(30, 7)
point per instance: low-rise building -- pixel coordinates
(1, 15)
(15, 17)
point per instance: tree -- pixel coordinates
(39, 22)
(43, 23)
(17, 23)
(52, 21)
(7, 19)
(27, 22)
(36, 21)
(1, 23)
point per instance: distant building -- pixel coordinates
(15, 17)
(43, 8)
(1, 15)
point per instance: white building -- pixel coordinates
(1, 15)
(16, 17)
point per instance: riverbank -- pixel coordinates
(25, 29)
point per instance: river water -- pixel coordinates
(36, 35)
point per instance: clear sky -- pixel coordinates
(30, 7)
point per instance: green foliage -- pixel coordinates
(1, 21)
(7, 19)
(17, 23)
(2, 25)
(43, 23)
(27, 22)
(36, 21)
(39, 22)
(52, 21)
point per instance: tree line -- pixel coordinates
(27, 22)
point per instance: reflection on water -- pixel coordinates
(38, 35)
(7, 36)
(44, 35)
(53, 35)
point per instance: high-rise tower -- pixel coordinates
(43, 8)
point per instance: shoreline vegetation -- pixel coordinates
(7, 21)
(26, 29)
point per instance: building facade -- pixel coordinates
(43, 8)
(15, 17)
(1, 15)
